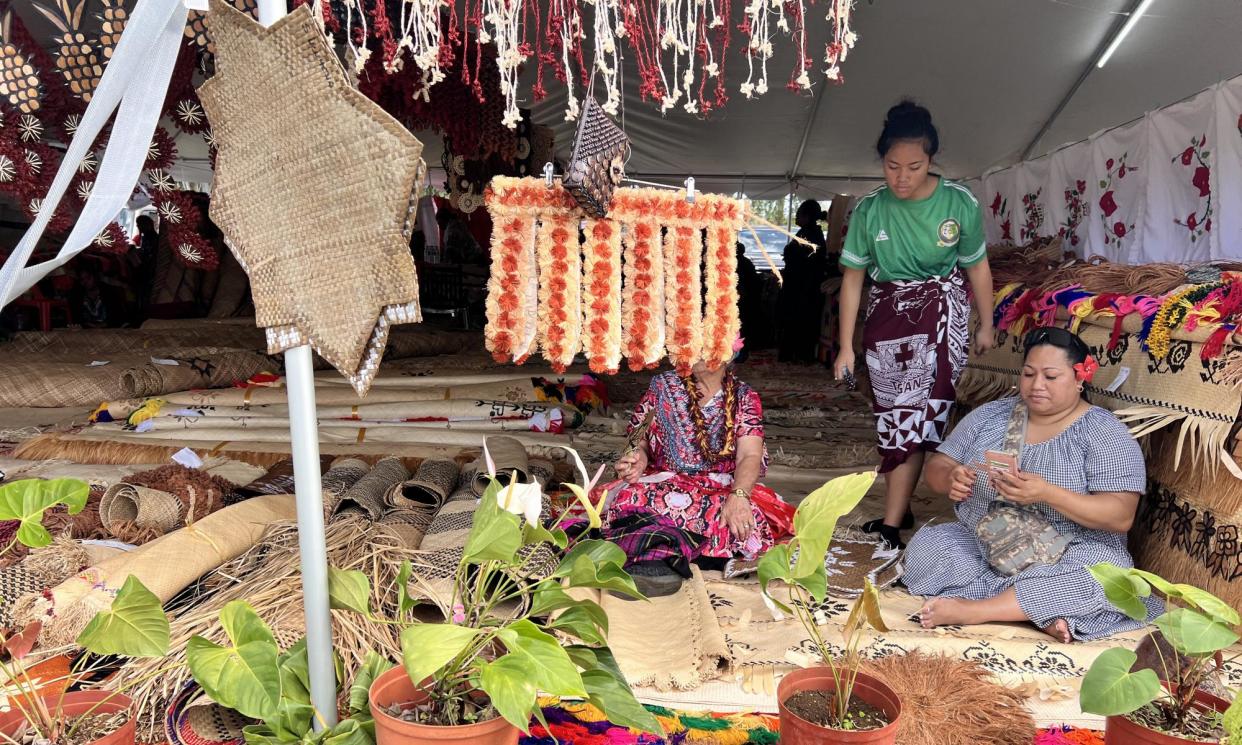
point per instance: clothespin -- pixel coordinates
(690, 189)
(547, 174)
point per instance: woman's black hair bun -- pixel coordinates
(908, 121)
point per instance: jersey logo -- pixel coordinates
(881, 236)
(950, 232)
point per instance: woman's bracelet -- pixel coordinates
(739, 492)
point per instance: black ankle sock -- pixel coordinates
(892, 536)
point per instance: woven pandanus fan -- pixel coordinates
(19, 81)
(76, 58)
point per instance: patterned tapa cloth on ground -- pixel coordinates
(916, 340)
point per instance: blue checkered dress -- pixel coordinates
(1094, 454)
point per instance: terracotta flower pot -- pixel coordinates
(395, 687)
(797, 731)
(76, 704)
(1121, 731)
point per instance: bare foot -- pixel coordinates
(948, 612)
(1059, 630)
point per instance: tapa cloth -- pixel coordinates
(916, 338)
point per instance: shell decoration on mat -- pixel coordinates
(321, 224)
(77, 57)
(19, 81)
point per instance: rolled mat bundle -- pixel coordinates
(339, 479)
(195, 368)
(367, 494)
(520, 389)
(148, 505)
(429, 489)
(509, 455)
(165, 566)
(44, 568)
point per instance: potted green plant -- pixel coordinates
(1160, 700)
(834, 703)
(473, 674)
(73, 717)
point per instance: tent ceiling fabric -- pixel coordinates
(991, 71)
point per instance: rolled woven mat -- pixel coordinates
(250, 427)
(136, 514)
(207, 368)
(510, 460)
(44, 568)
(236, 472)
(437, 380)
(333, 395)
(278, 479)
(368, 493)
(406, 527)
(115, 450)
(340, 477)
(349, 434)
(452, 409)
(166, 566)
(429, 489)
(194, 719)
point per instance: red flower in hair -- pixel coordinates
(1085, 371)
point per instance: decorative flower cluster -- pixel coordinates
(587, 303)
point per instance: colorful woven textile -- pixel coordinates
(583, 724)
(1069, 736)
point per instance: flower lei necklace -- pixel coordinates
(727, 449)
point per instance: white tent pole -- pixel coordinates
(312, 545)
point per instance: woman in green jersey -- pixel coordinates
(920, 240)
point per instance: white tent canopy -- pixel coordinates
(991, 71)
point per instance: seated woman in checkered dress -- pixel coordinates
(1081, 469)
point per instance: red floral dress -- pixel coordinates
(685, 489)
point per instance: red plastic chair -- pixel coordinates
(43, 307)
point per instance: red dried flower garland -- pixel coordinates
(683, 257)
(560, 291)
(642, 303)
(721, 322)
(601, 313)
(511, 315)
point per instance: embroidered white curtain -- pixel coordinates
(1165, 188)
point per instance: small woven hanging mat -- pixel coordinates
(321, 223)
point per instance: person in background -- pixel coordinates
(143, 259)
(920, 238)
(800, 302)
(92, 311)
(1078, 467)
(457, 245)
(749, 298)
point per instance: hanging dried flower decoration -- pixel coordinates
(512, 291)
(656, 301)
(601, 281)
(560, 291)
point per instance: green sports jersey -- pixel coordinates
(895, 239)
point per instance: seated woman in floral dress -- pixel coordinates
(690, 490)
(1079, 467)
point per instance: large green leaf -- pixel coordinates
(427, 647)
(134, 625)
(405, 603)
(294, 667)
(817, 515)
(292, 720)
(27, 500)
(349, 590)
(600, 553)
(583, 621)
(546, 663)
(616, 700)
(1122, 589)
(1205, 601)
(510, 688)
(347, 732)
(582, 569)
(1110, 689)
(548, 598)
(496, 534)
(1193, 633)
(773, 565)
(244, 675)
(1233, 720)
(359, 692)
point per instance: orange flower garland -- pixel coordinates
(642, 302)
(601, 277)
(560, 290)
(512, 290)
(721, 322)
(540, 281)
(683, 258)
